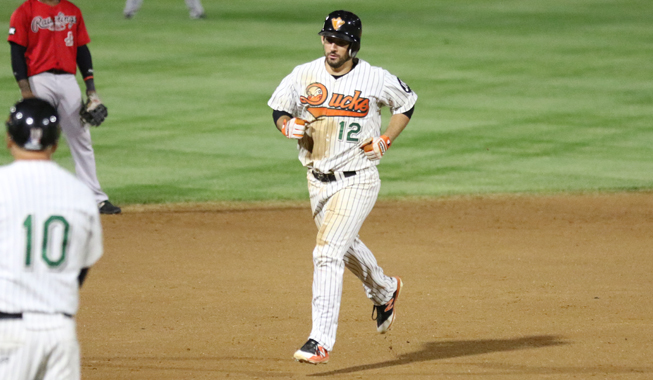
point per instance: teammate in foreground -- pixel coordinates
(194, 8)
(332, 107)
(50, 237)
(48, 41)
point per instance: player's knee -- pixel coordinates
(327, 256)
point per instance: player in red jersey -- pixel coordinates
(48, 41)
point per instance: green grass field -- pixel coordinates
(515, 96)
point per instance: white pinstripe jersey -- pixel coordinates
(49, 230)
(348, 110)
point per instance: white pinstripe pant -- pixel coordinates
(339, 210)
(44, 349)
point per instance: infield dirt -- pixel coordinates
(496, 287)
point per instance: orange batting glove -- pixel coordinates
(375, 148)
(294, 128)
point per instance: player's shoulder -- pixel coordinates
(364, 66)
(77, 190)
(28, 6)
(7, 171)
(25, 7)
(378, 70)
(51, 172)
(68, 3)
(69, 6)
(4, 169)
(70, 179)
(6, 179)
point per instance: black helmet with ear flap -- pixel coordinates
(345, 26)
(33, 124)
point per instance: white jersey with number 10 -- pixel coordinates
(49, 230)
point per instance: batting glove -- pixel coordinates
(294, 128)
(376, 148)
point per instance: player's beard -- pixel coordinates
(337, 63)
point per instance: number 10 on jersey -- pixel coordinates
(54, 225)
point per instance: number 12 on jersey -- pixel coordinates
(352, 132)
(53, 224)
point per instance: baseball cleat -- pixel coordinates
(107, 208)
(386, 314)
(312, 353)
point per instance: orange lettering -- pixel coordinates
(341, 105)
(335, 101)
(346, 103)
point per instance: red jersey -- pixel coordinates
(50, 34)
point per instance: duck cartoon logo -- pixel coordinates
(337, 23)
(338, 105)
(316, 94)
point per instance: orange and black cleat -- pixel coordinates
(386, 314)
(312, 353)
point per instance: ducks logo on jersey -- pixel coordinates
(339, 104)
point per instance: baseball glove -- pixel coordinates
(93, 112)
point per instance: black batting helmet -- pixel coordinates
(345, 26)
(33, 124)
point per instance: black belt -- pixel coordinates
(20, 315)
(330, 177)
(58, 72)
(10, 315)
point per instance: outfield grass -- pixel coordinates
(515, 96)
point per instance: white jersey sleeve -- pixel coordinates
(396, 94)
(94, 247)
(285, 96)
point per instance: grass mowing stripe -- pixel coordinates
(515, 96)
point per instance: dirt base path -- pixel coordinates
(555, 287)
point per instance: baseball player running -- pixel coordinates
(194, 8)
(48, 41)
(332, 107)
(50, 237)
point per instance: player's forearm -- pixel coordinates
(18, 61)
(280, 122)
(25, 89)
(279, 118)
(19, 67)
(82, 276)
(85, 63)
(397, 124)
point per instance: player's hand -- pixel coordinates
(294, 128)
(93, 112)
(375, 148)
